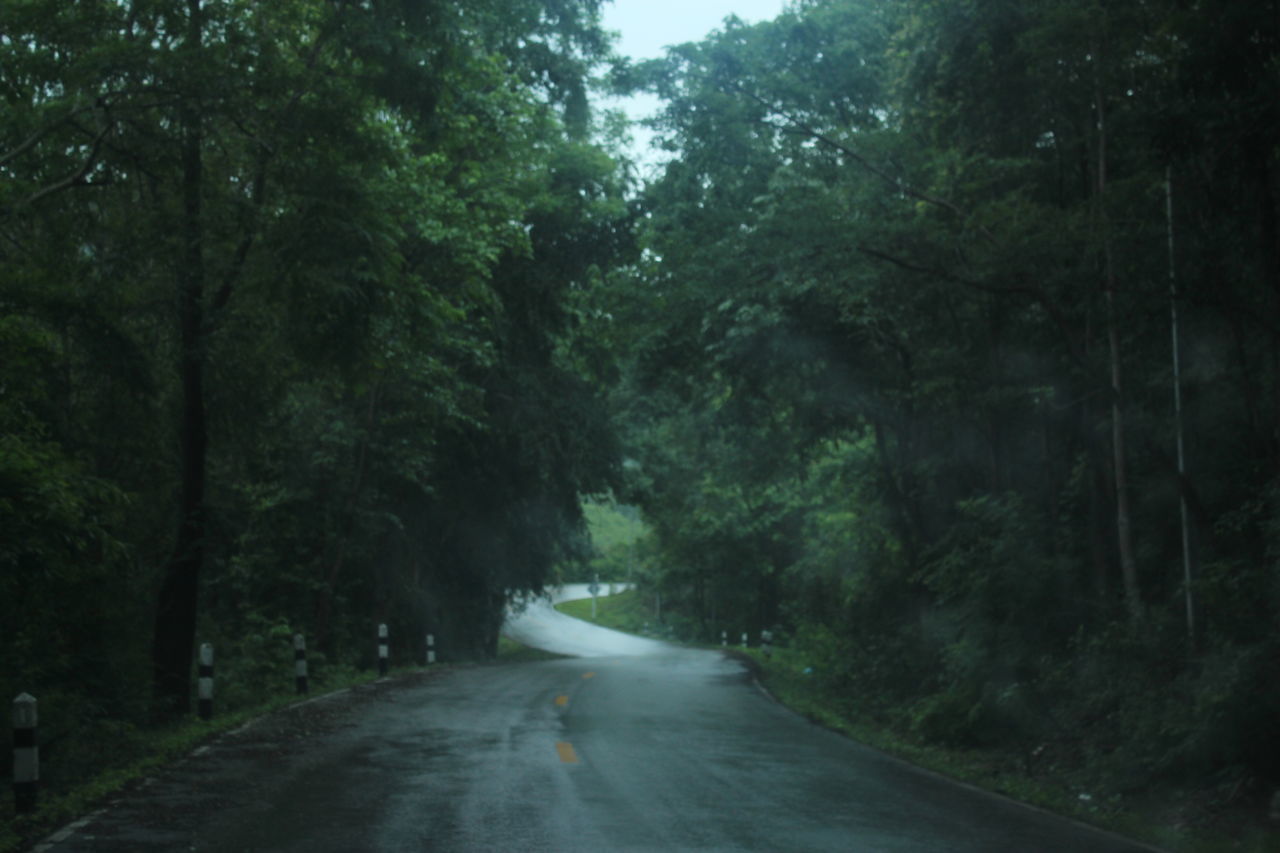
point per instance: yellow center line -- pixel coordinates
(566, 753)
(562, 701)
(588, 675)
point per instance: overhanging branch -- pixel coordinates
(894, 181)
(1036, 293)
(76, 177)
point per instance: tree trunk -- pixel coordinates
(1124, 533)
(1099, 550)
(324, 606)
(175, 623)
(1269, 225)
(894, 494)
(1098, 486)
(1189, 593)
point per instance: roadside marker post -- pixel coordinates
(300, 663)
(431, 649)
(766, 644)
(724, 639)
(382, 649)
(26, 754)
(205, 683)
(744, 639)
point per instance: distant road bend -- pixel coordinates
(629, 745)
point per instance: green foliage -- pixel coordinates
(317, 268)
(1040, 775)
(947, 718)
(612, 526)
(907, 268)
(614, 531)
(863, 346)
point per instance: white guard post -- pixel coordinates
(300, 663)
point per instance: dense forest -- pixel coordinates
(944, 342)
(289, 302)
(954, 355)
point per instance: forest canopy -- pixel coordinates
(954, 357)
(945, 344)
(288, 325)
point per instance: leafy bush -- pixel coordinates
(946, 718)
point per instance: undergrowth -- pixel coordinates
(1081, 791)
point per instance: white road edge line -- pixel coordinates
(68, 831)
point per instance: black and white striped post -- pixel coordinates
(431, 649)
(26, 754)
(744, 639)
(382, 649)
(205, 682)
(300, 663)
(724, 638)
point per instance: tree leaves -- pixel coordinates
(935, 232)
(392, 207)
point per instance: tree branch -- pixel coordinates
(31, 140)
(102, 103)
(895, 182)
(76, 177)
(1037, 294)
(256, 195)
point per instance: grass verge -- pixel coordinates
(141, 752)
(509, 651)
(625, 611)
(1156, 817)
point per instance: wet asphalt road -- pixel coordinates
(647, 748)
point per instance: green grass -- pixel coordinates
(509, 651)
(627, 611)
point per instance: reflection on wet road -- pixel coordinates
(632, 745)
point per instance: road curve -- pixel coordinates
(647, 748)
(535, 622)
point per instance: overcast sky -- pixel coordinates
(646, 27)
